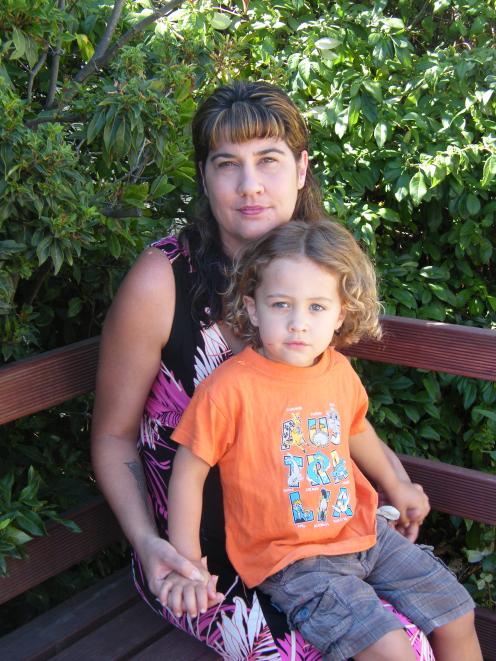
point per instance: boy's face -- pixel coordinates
(296, 309)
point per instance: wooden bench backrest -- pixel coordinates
(46, 380)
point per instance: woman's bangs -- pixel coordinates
(242, 122)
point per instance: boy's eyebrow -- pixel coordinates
(312, 298)
(262, 152)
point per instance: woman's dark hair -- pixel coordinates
(236, 113)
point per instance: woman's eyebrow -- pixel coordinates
(262, 152)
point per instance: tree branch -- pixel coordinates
(54, 69)
(55, 119)
(120, 212)
(102, 57)
(94, 62)
(33, 73)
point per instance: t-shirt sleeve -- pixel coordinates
(361, 406)
(204, 428)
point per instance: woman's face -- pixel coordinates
(252, 187)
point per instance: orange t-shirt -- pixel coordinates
(280, 436)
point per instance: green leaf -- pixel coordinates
(489, 171)
(43, 249)
(404, 297)
(114, 246)
(220, 21)
(327, 43)
(341, 123)
(19, 44)
(417, 188)
(85, 46)
(472, 204)
(75, 306)
(30, 522)
(57, 255)
(17, 536)
(160, 186)
(401, 187)
(426, 431)
(380, 134)
(432, 387)
(95, 126)
(485, 413)
(373, 88)
(135, 194)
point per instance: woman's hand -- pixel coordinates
(159, 559)
(188, 595)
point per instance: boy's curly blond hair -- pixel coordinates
(331, 246)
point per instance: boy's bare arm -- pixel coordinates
(366, 450)
(185, 503)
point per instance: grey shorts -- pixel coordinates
(334, 600)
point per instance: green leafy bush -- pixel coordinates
(400, 98)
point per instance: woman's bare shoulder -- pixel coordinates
(146, 293)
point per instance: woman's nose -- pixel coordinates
(249, 183)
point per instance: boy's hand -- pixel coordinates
(193, 597)
(413, 506)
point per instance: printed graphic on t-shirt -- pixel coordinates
(318, 480)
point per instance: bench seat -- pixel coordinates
(107, 621)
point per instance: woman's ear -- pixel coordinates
(302, 167)
(251, 308)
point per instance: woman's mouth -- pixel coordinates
(254, 210)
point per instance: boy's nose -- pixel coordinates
(298, 324)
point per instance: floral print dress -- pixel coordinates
(245, 625)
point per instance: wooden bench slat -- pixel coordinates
(485, 624)
(61, 548)
(432, 346)
(179, 646)
(444, 483)
(120, 638)
(40, 382)
(62, 625)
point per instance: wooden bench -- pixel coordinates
(109, 621)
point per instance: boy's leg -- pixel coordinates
(456, 641)
(419, 585)
(326, 600)
(393, 646)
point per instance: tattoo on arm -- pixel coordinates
(137, 471)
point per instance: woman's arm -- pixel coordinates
(137, 327)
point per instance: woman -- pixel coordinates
(164, 333)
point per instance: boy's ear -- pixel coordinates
(251, 308)
(341, 318)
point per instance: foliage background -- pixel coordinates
(96, 99)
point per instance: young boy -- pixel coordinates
(284, 420)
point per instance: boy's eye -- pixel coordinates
(280, 304)
(268, 159)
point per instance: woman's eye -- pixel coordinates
(280, 305)
(316, 307)
(226, 164)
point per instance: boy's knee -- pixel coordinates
(458, 628)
